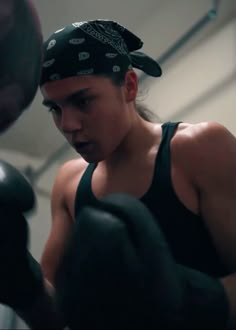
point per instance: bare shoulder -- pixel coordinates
(70, 169)
(204, 135)
(66, 180)
(200, 128)
(203, 145)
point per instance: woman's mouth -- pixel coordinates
(83, 147)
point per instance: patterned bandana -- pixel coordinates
(94, 47)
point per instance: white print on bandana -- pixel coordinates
(83, 56)
(85, 72)
(116, 68)
(51, 44)
(55, 76)
(111, 55)
(78, 24)
(58, 31)
(77, 41)
(49, 63)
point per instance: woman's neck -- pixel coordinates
(141, 136)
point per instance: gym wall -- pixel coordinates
(200, 85)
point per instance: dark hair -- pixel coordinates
(143, 111)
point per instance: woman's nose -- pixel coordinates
(70, 120)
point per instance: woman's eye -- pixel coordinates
(54, 110)
(82, 102)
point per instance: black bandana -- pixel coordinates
(94, 47)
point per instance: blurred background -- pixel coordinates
(195, 43)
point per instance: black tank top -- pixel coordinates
(186, 234)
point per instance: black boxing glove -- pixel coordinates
(20, 274)
(118, 273)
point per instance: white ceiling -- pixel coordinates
(34, 133)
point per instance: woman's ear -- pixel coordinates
(131, 86)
